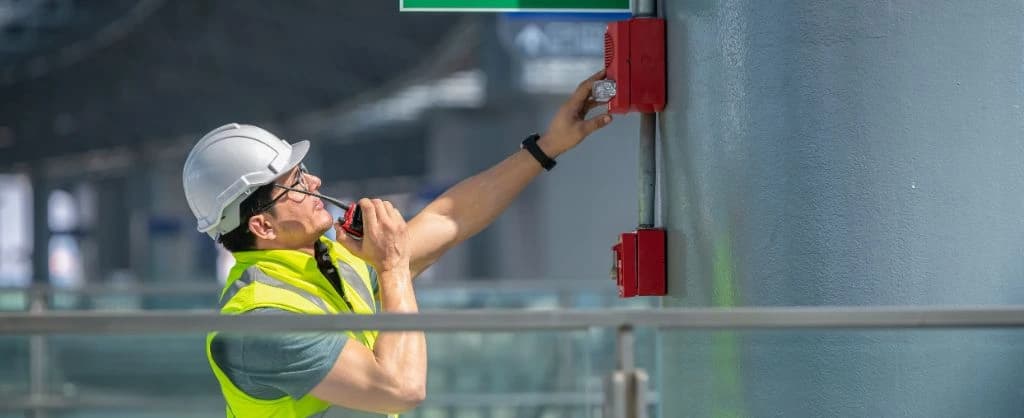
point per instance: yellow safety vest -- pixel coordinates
(290, 280)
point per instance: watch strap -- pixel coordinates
(530, 145)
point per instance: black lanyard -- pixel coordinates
(323, 262)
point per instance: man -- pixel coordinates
(250, 192)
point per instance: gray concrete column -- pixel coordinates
(843, 152)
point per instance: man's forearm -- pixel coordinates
(469, 206)
(403, 354)
(476, 201)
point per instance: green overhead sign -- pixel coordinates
(592, 6)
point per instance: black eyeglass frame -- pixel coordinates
(300, 182)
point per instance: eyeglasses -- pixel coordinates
(299, 186)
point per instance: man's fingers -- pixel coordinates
(587, 84)
(353, 245)
(393, 211)
(369, 212)
(379, 210)
(382, 211)
(590, 105)
(595, 123)
(583, 91)
(596, 76)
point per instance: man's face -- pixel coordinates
(298, 219)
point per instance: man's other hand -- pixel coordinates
(570, 125)
(385, 243)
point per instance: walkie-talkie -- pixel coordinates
(352, 221)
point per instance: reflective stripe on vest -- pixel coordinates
(349, 275)
(255, 275)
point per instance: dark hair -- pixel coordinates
(241, 239)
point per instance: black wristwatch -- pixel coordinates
(530, 144)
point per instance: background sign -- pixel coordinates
(554, 51)
(533, 35)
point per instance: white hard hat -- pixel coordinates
(227, 165)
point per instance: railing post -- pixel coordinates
(37, 355)
(625, 386)
(615, 395)
(624, 343)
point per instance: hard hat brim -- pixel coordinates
(299, 150)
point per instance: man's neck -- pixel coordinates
(274, 245)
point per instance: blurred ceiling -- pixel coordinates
(79, 75)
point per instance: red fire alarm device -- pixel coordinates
(639, 268)
(634, 61)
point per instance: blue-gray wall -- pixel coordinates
(844, 152)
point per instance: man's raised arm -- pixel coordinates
(472, 204)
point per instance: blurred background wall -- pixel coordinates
(101, 103)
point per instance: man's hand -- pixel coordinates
(570, 125)
(385, 243)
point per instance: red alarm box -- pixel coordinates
(640, 268)
(634, 57)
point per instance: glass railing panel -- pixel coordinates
(491, 374)
(14, 299)
(14, 366)
(843, 373)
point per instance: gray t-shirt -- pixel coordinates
(271, 366)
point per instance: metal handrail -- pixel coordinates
(209, 288)
(198, 402)
(148, 322)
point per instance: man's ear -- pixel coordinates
(260, 225)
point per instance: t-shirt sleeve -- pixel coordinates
(270, 366)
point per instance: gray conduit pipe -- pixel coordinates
(648, 130)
